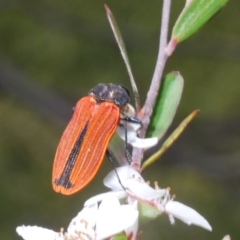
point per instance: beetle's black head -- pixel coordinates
(111, 92)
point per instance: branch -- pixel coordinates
(146, 112)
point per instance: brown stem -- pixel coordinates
(155, 84)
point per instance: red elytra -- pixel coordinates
(85, 140)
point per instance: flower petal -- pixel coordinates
(38, 233)
(133, 139)
(114, 218)
(126, 172)
(100, 197)
(227, 237)
(132, 229)
(186, 214)
(143, 190)
(83, 224)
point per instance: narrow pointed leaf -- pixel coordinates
(194, 15)
(170, 140)
(121, 45)
(166, 105)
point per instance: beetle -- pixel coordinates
(84, 142)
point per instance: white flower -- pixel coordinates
(138, 189)
(142, 203)
(132, 129)
(38, 233)
(133, 139)
(92, 223)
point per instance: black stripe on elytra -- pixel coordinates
(64, 180)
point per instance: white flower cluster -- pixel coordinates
(104, 216)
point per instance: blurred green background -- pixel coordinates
(53, 51)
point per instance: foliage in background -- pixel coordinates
(60, 58)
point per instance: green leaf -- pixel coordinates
(170, 140)
(166, 105)
(120, 236)
(193, 16)
(121, 45)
